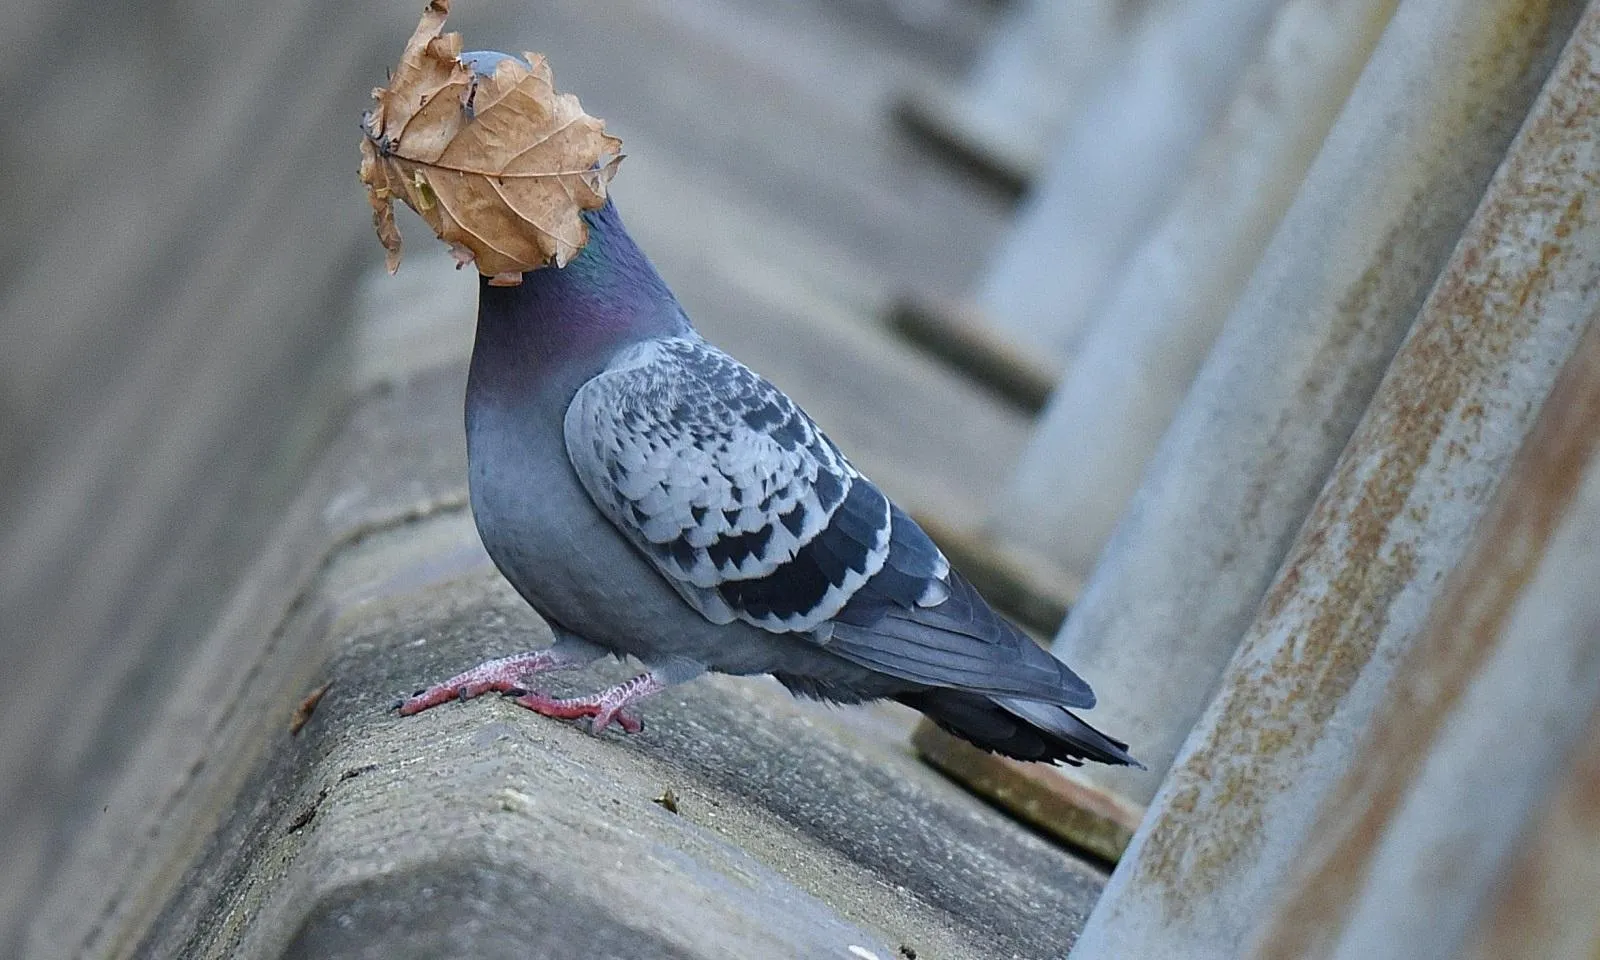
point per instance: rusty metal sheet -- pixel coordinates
(1165, 308)
(1368, 565)
(1471, 733)
(1298, 361)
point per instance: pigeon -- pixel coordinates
(652, 497)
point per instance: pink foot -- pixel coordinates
(502, 676)
(572, 709)
(604, 707)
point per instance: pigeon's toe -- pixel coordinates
(605, 708)
(498, 676)
(463, 687)
(601, 714)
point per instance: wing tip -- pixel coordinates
(1023, 730)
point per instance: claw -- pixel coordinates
(604, 717)
(627, 721)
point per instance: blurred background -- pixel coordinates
(190, 283)
(989, 244)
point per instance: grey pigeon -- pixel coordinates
(650, 496)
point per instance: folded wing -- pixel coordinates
(752, 514)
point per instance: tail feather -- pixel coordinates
(1021, 729)
(1065, 725)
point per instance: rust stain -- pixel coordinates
(1460, 635)
(1332, 597)
(1550, 886)
(1502, 67)
(1467, 619)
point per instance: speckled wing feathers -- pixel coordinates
(752, 514)
(727, 486)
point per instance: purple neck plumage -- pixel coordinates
(562, 324)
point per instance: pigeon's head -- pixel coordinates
(483, 62)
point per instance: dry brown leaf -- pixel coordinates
(308, 706)
(500, 166)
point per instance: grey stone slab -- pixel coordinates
(795, 835)
(175, 279)
(400, 455)
(174, 301)
(801, 830)
(468, 909)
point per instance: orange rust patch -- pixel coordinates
(1330, 602)
(1460, 635)
(1081, 816)
(1466, 621)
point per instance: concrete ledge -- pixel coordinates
(1046, 797)
(397, 458)
(960, 338)
(933, 118)
(479, 829)
(476, 826)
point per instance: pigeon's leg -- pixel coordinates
(505, 674)
(608, 705)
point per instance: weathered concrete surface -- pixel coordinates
(1394, 518)
(801, 831)
(959, 336)
(1149, 333)
(184, 233)
(472, 826)
(1040, 61)
(175, 279)
(1119, 159)
(1379, 213)
(1473, 733)
(400, 457)
(1546, 905)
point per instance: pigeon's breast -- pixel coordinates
(573, 566)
